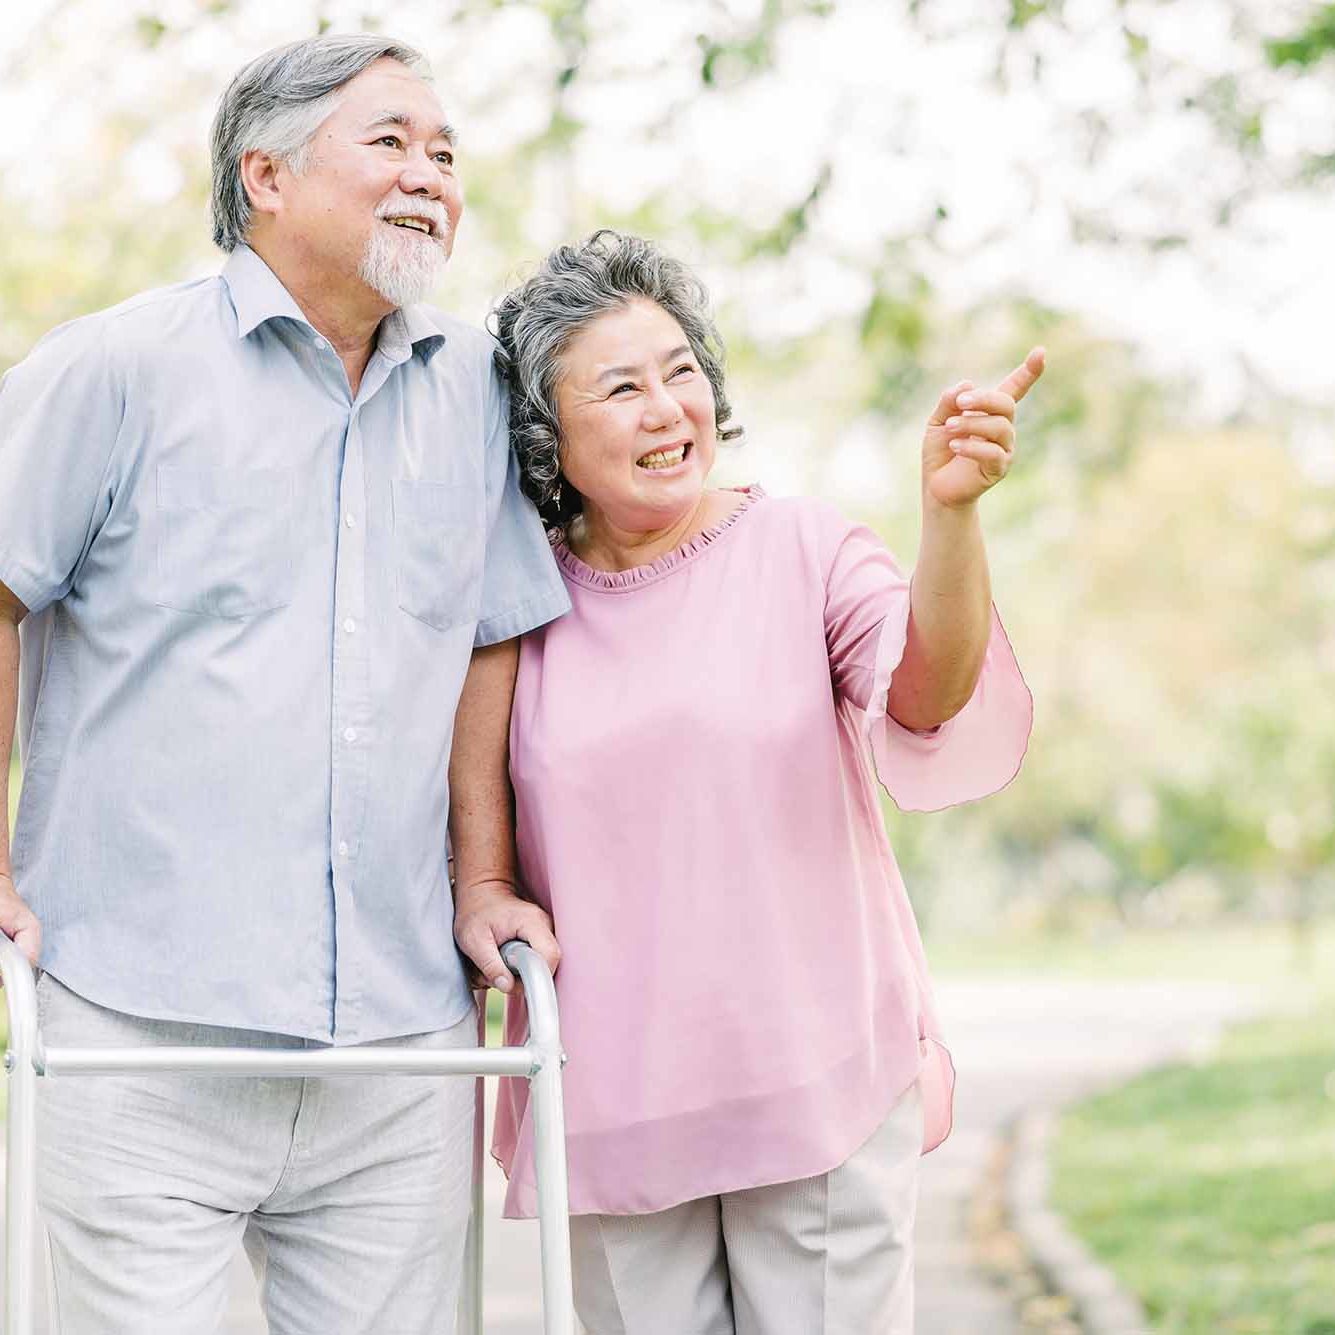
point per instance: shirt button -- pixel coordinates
(350, 520)
(343, 849)
(349, 625)
(349, 734)
(320, 345)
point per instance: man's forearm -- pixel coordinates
(949, 621)
(481, 802)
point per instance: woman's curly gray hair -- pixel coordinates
(537, 321)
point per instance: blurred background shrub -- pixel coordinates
(886, 198)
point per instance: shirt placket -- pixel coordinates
(352, 715)
(350, 720)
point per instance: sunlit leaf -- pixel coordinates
(150, 29)
(1310, 44)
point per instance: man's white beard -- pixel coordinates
(402, 269)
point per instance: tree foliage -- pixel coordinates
(1309, 45)
(1167, 585)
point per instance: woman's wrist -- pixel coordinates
(950, 516)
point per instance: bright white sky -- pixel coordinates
(909, 118)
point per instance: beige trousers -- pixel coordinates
(827, 1255)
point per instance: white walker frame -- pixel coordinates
(540, 1060)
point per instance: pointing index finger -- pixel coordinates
(1022, 379)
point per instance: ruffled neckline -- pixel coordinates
(622, 581)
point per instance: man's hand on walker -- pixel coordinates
(489, 914)
(970, 439)
(18, 921)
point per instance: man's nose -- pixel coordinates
(420, 176)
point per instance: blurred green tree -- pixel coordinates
(1168, 587)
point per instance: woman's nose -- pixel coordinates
(662, 408)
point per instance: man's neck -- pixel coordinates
(349, 319)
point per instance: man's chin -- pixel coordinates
(403, 279)
(400, 295)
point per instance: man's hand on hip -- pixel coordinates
(18, 921)
(490, 913)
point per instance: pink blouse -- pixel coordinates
(742, 989)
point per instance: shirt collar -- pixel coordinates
(407, 330)
(259, 296)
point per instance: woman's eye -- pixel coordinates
(619, 388)
(685, 366)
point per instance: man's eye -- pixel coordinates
(445, 157)
(392, 140)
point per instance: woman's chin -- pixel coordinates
(651, 510)
(670, 496)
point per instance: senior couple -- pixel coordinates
(298, 572)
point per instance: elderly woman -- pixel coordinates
(756, 1063)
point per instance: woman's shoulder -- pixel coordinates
(816, 525)
(803, 511)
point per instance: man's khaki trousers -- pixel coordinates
(350, 1193)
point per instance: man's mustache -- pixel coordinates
(409, 206)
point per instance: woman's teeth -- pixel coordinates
(663, 458)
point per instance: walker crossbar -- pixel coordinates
(540, 1060)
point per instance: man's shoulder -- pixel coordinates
(106, 347)
(155, 318)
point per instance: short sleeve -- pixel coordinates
(521, 585)
(866, 626)
(60, 415)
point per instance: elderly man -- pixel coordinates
(272, 528)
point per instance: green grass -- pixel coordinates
(1210, 1189)
(1265, 954)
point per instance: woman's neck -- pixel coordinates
(604, 545)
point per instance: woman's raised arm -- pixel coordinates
(967, 449)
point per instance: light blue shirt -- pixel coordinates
(261, 595)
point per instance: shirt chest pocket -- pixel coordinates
(225, 540)
(438, 551)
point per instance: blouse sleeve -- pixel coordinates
(866, 625)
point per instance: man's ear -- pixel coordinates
(259, 175)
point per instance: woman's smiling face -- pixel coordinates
(637, 418)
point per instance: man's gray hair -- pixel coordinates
(275, 105)
(537, 321)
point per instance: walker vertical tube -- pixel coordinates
(549, 1145)
(470, 1295)
(549, 1153)
(20, 1140)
